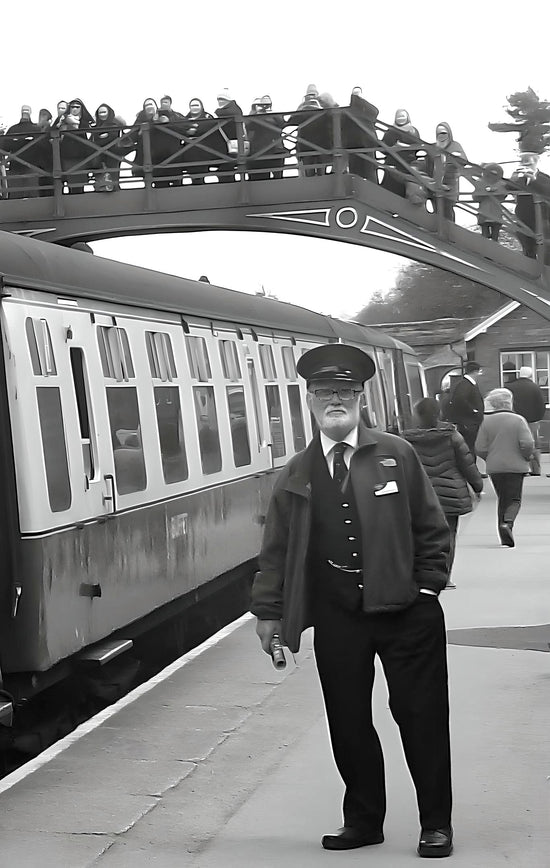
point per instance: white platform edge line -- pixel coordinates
(96, 721)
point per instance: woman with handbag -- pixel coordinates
(506, 444)
(449, 464)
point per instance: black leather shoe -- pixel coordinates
(349, 837)
(506, 535)
(435, 843)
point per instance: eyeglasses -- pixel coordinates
(325, 395)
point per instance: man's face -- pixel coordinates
(166, 103)
(336, 416)
(103, 112)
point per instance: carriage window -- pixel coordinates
(54, 447)
(255, 398)
(123, 409)
(296, 417)
(415, 382)
(289, 363)
(207, 423)
(268, 363)
(170, 428)
(239, 425)
(230, 360)
(197, 353)
(114, 350)
(275, 421)
(82, 402)
(160, 355)
(40, 347)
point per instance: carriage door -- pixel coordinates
(94, 463)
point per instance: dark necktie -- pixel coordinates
(339, 469)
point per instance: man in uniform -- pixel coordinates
(466, 405)
(356, 545)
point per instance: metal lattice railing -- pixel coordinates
(267, 146)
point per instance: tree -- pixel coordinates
(531, 121)
(423, 292)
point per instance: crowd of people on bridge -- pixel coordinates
(196, 145)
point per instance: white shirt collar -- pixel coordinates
(327, 443)
(471, 379)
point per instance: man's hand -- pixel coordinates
(266, 630)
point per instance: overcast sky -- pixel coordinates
(441, 61)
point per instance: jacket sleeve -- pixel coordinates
(466, 464)
(267, 588)
(482, 442)
(430, 528)
(525, 438)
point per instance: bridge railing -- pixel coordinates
(270, 146)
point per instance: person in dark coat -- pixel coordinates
(356, 544)
(490, 191)
(267, 151)
(527, 185)
(106, 131)
(20, 141)
(450, 465)
(506, 444)
(232, 114)
(445, 159)
(77, 156)
(359, 131)
(404, 138)
(529, 402)
(314, 135)
(465, 407)
(195, 128)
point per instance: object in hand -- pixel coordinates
(277, 653)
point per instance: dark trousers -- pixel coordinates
(469, 432)
(412, 647)
(508, 487)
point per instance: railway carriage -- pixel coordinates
(143, 417)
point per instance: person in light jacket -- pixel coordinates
(506, 444)
(356, 544)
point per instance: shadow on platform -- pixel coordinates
(532, 638)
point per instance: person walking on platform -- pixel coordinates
(356, 545)
(506, 444)
(529, 402)
(450, 465)
(465, 406)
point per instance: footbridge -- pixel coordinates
(344, 183)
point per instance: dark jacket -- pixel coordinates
(449, 463)
(466, 404)
(405, 538)
(529, 399)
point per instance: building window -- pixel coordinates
(537, 360)
(161, 357)
(114, 351)
(239, 425)
(125, 424)
(209, 435)
(230, 360)
(268, 362)
(54, 447)
(197, 353)
(170, 428)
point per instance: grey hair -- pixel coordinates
(499, 399)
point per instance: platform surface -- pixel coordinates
(223, 762)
